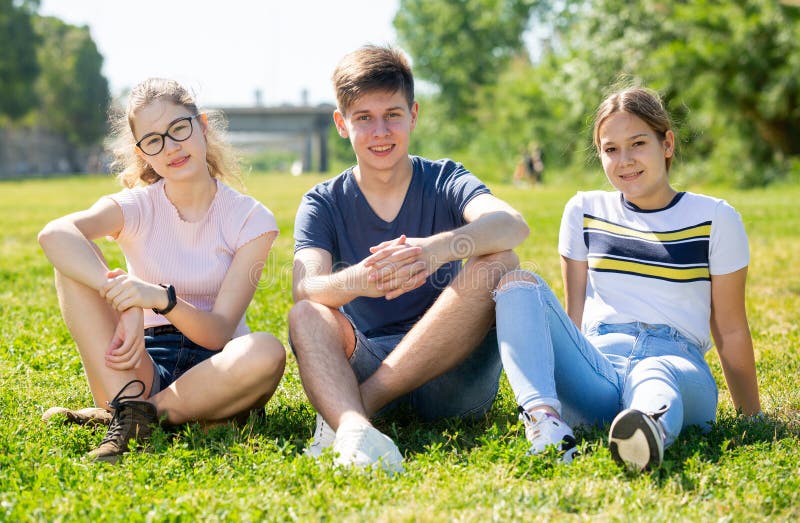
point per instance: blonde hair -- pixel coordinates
(641, 102)
(221, 159)
(372, 68)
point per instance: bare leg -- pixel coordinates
(91, 322)
(451, 329)
(323, 339)
(242, 376)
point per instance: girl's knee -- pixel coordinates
(517, 278)
(271, 353)
(262, 355)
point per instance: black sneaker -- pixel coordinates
(133, 420)
(636, 440)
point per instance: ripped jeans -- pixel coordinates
(590, 378)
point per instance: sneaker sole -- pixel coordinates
(634, 441)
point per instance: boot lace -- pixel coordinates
(118, 425)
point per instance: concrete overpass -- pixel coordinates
(308, 124)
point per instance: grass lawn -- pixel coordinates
(741, 471)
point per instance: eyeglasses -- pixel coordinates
(180, 130)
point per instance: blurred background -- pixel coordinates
(508, 87)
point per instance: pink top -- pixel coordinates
(160, 247)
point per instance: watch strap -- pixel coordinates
(172, 299)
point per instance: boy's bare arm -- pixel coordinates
(313, 279)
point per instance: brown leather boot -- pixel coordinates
(87, 416)
(132, 421)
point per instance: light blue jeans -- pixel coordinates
(590, 378)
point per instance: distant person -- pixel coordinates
(384, 309)
(648, 272)
(536, 164)
(530, 168)
(167, 339)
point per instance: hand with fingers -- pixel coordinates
(126, 348)
(123, 291)
(398, 266)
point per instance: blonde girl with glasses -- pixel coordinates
(166, 340)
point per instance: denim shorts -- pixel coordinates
(172, 354)
(466, 391)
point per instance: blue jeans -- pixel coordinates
(591, 378)
(172, 354)
(466, 391)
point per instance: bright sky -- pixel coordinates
(227, 49)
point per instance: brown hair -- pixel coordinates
(372, 68)
(221, 159)
(641, 102)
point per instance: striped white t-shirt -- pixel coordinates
(160, 247)
(653, 266)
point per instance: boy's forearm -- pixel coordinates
(491, 233)
(333, 290)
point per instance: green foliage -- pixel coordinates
(727, 71)
(460, 47)
(741, 470)
(269, 160)
(73, 91)
(18, 66)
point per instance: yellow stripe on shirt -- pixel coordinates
(700, 231)
(655, 271)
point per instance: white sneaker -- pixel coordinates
(323, 438)
(543, 430)
(363, 445)
(636, 440)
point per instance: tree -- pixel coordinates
(73, 91)
(18, 65)
(461, 46)
(728, 70)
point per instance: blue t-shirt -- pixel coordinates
(335, 216)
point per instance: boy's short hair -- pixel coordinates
(372, 68)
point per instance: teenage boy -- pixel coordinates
(383, 308)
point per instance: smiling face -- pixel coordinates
(635, 159)
(177, 160)
(379, 126)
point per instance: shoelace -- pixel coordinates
(532, 430)
(658, 413)
(116, 426)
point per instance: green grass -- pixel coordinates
(458, 471)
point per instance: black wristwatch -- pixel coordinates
(171, 297)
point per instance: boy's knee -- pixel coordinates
(302, 313)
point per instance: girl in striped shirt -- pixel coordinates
(650, 274)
